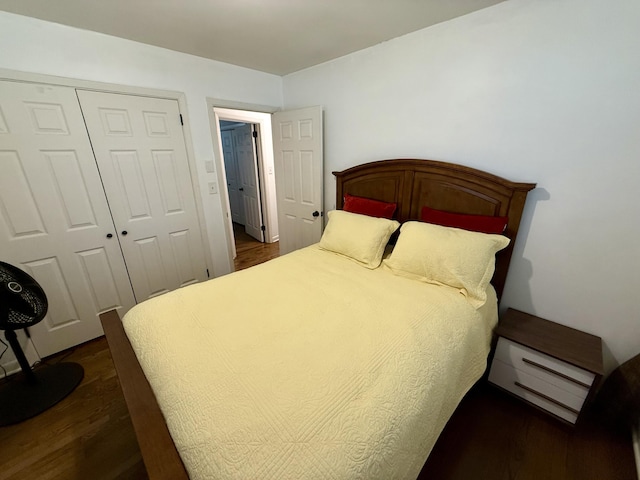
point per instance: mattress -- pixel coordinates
(309, 366)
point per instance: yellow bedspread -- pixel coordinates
(309, 367)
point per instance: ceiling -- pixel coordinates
(274, 36)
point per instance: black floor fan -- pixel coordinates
(23, 303)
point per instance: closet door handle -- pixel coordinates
(241, 189)
(109, 235)
(124, 232)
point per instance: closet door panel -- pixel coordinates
(54, 217)
(141, 154)
(231, 171)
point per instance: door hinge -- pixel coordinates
(181, 120)
(255, 134)
(208, 273)
(263, 228)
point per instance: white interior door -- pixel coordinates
(54, 217)
(297, 146)
(140, 150)
(244, 145)
(231, 170)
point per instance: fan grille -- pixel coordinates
(21, 320)
(24, 301)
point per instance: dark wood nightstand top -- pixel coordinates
(564, 343)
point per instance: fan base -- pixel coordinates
(21, 399)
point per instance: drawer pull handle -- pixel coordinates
(546, 397)
(550, 370)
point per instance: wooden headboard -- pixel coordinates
(413, 183)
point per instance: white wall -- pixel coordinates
(32, 45)
(532, 90)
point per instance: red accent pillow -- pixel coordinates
(474, 223)
(367, 206)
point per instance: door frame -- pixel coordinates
(29, 77)
(259, 115)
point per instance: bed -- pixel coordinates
(355, 373)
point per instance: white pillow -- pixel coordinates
(447, 256)
(359, 237)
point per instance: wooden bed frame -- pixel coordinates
(411, 184)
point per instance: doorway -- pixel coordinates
(241, 166)
(293, 217)
(247, 181)
(239, 149)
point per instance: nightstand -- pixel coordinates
(550, 366)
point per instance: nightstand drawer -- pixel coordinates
(548, 369)
(561, 379)
(537, 391)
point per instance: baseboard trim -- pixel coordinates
(10, 365)
(636, 447)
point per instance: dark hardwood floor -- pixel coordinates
(89, 436)
(496, 437)
(250, 251)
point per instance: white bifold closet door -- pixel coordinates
(54, 217)
(139, 147)
(96, 203)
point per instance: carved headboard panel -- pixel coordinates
(413, 183)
